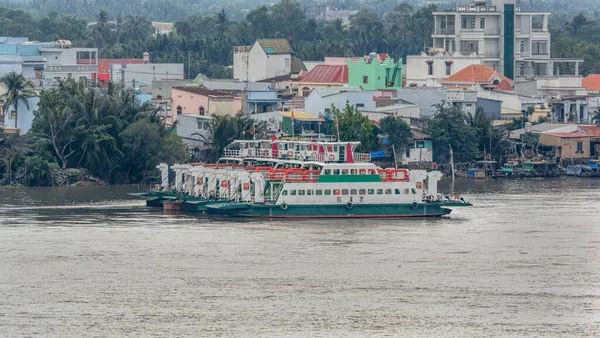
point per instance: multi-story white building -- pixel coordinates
(63, 61)
(511, 41)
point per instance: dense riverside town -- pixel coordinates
(479, 89)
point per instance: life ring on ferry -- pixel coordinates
(199, 180)
(249, 152)
(430, 198)
(313, 156)
(265, 153)
(434, 165)
(156, 187)
(283, 206)
(246, 186)
(331, 157)
(349, 205)
(224, 184)
(289, 154)
(414, 205)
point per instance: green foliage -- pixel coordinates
(354, 126)
(596, 117)
(451, 127)
(397, 131)
(105, 131)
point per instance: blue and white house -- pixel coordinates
(25, 115)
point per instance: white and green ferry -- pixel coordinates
(341, 190)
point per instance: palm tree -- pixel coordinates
(136, 28)
(17, 89)
(596, 117)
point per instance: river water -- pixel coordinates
(92, 262)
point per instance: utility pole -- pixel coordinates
(189, 64)
(452, 167)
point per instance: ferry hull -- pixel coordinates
(328, 211)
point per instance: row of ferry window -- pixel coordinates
(336, 192)
(347, 172)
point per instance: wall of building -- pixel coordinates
(24, 117)
(146, 73)
(491, 108)
(163, 89)
(314, 104)
(190, 103)
(374, 75)
(190, 125)
(417, 69)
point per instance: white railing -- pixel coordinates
(231, 153)
(362, 157)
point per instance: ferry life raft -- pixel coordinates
(343, 190)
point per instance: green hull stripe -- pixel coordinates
(329, 211)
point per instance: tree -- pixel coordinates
(18, 89)
(397, 131)
(596, 117)
(354, 126)
(58, 132)
(450, 127)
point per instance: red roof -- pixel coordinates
(590, 130)
(504, 85)
(326, 74)
(569, 135)
(591, 82)
(476, 74)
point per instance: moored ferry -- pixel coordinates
(342, 190)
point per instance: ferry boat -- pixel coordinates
(342, 190)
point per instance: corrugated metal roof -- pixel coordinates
(327, 74)
(299, 115)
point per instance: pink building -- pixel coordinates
(202, 101)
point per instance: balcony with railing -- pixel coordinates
(492, 54)
(492, 31)
(444, 31)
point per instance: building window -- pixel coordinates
(522, 46)
(429, 68)
(482, 23)
(580, 147)
(360, 105)
(365, 79)
(179, 110)
(287, 62)
(522, 69)
(201, 111)
(448, 69)
(464, 23)
(305, 91)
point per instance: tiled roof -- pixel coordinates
(504, 85)
(326, 74)
(201, 91)
(591, 130)
(275, 46)
(475, 74)
(591, 82)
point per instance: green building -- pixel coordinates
(372, 74)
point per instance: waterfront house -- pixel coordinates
(24, 118)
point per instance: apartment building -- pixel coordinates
(513, 42)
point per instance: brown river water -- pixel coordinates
(93, 262)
